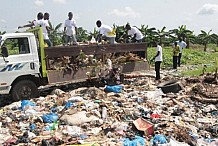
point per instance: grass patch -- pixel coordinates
(198, 71)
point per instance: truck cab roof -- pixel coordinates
(23, 34)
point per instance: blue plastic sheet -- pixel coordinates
(138, 141)
(159, 139)
(115, 88)
(25, 103)
(50, 118)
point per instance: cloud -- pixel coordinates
(208, 9)
(39, 3)
(127, 12)
(59, 1)
(3, 20)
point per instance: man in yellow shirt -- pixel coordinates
(175, 55)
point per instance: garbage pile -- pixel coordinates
(73, 63)
(134, 113)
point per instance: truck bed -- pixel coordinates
(55, 76)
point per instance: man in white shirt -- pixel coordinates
(45, 29)
(70, 29)
(158, 59)
(136, 36)
(135, 33)
(106, 32)
(182, 45)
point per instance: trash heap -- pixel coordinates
(131, 114)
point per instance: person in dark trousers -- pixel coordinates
(158, 59)
(182, 45)
(175, 55)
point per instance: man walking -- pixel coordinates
(70, 30)
(158, 59)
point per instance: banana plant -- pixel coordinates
(150, 34)
(161, 35)
(120, 33)
(204, 38)
(184, 33)
(215, 40)
(55, 34)
(93, 34)
(82, 35)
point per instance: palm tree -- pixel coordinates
(55, 34)
(205, 38)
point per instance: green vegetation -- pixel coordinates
(197, 61)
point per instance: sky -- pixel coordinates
(195, 14)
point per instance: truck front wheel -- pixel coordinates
(24, 89)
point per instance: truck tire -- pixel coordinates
(170, 86)
(24, 89)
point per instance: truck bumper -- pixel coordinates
(5, 89)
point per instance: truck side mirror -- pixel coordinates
(4, 51)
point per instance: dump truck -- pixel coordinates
(26, 64)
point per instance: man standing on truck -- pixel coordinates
(136, 37)
(36, 22)
(134, 32)
(105, 32)
(70, 30)
(41, 23)
(46, 29)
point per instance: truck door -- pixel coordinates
(19, 61)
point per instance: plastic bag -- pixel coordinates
(138, 141)
(115, 89)
(25, 103)
(68, 105)
(50, 118)
(159, 139)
